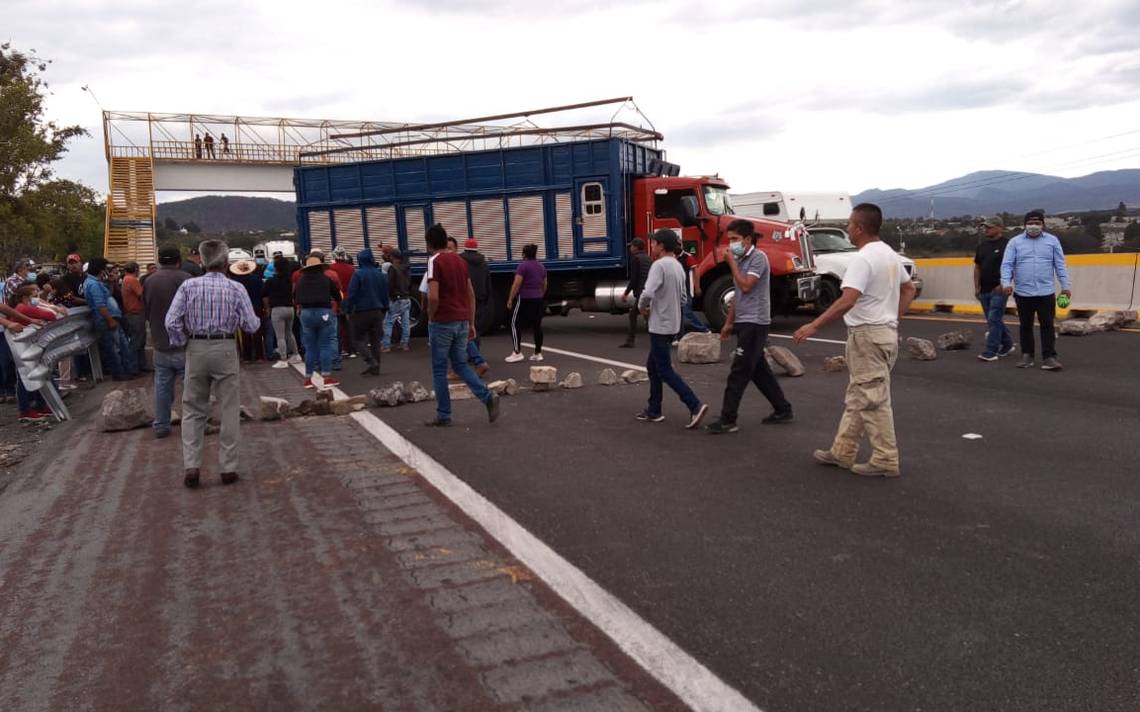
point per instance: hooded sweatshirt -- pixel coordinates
(368, 288)
(480, 275)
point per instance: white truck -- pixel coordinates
(823, 216)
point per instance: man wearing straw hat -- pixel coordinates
(205, 315)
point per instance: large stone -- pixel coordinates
(634, 376)
(347, 406)
(696, 347)
(786, 360)
(318, 406)
(572, 380)
(414, 392)
(546, 375)
(269, 408)
(1075, 327)
(955, 340)
(509, 387)
(459, 391)
(125, 409)
(512, 388)
(608, 377)
(1111, 320)
(835, 364)
(921, 349)
(388, 396)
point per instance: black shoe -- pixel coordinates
(160, 434)
(626, 345)
(228, 478)
(371, 371)
(778, 418)
(191, 479)
(719, 427)
(493, 408)
(437, 423)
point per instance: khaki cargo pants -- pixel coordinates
(871, 353)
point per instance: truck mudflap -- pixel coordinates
(807, 288)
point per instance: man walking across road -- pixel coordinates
(877, 291)
(750, 316)
(205, 314)
(368, 302)
(451, 311)
(660, 302)
(1032, 260)
(639, 265)
(169, 360)
(987, 287)
(399, 302)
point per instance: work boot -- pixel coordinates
(191, 478)
(1026, 361)
(228, 478)
(493, 407)
(869, 470)
(824, 457)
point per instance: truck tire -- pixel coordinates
(718, 296)
(417, 314)
(828, 293)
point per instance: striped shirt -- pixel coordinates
(209, 305)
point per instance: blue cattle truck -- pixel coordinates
(581, 202)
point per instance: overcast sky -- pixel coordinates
(781, 95)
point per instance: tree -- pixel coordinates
(170, 224)
(192, 228)
(30, 201)
(1132, 237)
(1121, 210)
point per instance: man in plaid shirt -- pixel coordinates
(205, 315)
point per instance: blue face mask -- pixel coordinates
(737, 248)
(31, 276)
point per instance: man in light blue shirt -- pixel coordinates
(114, 350)
(1032, 260)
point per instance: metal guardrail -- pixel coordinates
(37, 349)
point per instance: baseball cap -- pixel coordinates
(995, 221)
(471, 244)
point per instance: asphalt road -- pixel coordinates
(997, 573)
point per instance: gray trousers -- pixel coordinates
(211, 363)
(282, 318)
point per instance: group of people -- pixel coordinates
(208, 145)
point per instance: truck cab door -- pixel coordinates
(667, 214)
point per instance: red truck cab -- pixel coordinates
(700, 210)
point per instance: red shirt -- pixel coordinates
(343, 274)
(449, 270)
(132, 295)
(37, 312)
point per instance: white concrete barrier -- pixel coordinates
(1099, 282)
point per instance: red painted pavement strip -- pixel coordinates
(119, 589)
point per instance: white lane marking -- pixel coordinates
(681, 673)
(818, 341)
(587, 357)
(691, 681)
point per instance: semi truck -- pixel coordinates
(580, 201)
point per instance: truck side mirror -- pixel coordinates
(690, 211)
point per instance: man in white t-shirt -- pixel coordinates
(876, 292)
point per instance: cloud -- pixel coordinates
(724, 129)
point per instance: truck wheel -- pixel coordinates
(718, 297)
(417, 314)
(828, 293)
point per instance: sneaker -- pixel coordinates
(493, 408)
(453, 377)
(697, 416)
(720, 427)
(385, 349)
(437, 423)
(281, 364)
(646, 417)
(988, 356)
(295, 358)
(1051, 364)
(351, 355)
(32, 416)
(869, 470)
(309, 383)
(1002, 353)
(515, 357)
(536, 357)
(405, 347)
(778, 418)
(676, 342)
(626, 345)
(329, 382)
(45, 412)
(481, 369)
(824, 457)
(1026, 361)
(161, 434)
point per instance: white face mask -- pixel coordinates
(35, 301)
(1034, 230)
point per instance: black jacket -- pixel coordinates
(399, 281)
(638, 273)
(480, 274)
(315, 290)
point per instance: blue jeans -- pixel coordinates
(690, 319)
(998, 338)
(337, 360)
(398, 309)
(449, 344)
(115, 350)
(168, 366)
(318, 328)
(660, 367)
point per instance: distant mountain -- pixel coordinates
(989, 192)
(231, 213)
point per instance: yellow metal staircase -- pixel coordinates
(130, 233)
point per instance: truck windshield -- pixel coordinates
(717, 201)
(830, 242)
